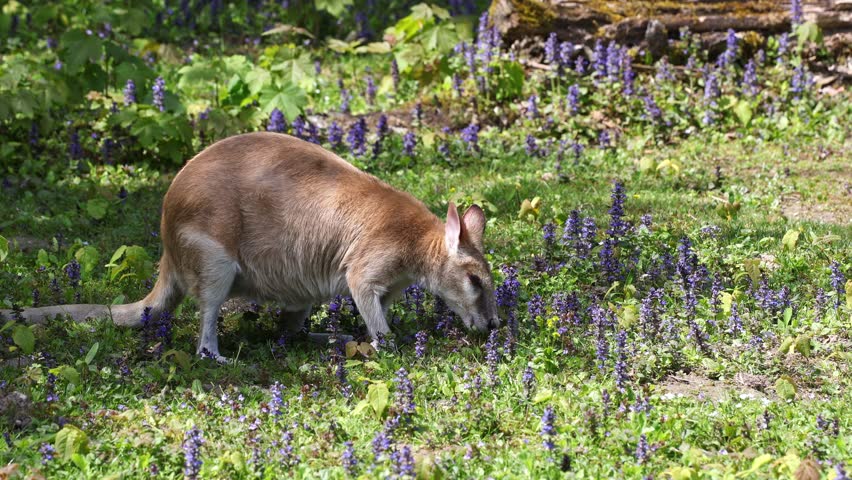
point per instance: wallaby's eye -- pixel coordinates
(476, 281)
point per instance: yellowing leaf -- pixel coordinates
(378, 396)
(790, 239)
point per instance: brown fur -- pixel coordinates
(273, 218)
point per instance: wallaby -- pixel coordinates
(270, 217)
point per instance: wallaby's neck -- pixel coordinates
(430, 254)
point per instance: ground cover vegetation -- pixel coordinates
(670, 239)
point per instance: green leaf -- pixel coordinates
(808, 32)
(69, 373)
(289, 99)
(24, 338)
(115, 256)
(78, 48)
(744, 112)
(71, 440)
(334, 7)
(97, 208)
(42, 258)
(88, 257)
(360, 407)
(199, 73)
(543, 396)
(785, 388)
(378, 396)
(179, 357)
(790, 239)
(258, 79)
(803, 345)
(92, 352)
(4, 248)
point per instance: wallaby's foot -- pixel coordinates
(221, 360)
(384, 345)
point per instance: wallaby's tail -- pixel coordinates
(165, 296)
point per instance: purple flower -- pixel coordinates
(532, 107)
(617, 226)
(299, 127)
(795, 12)
(317, 67)
(357, 137)
(548, 430)
(838, 282)
(599, 318)
(664, 71)
(783, 45)
(549, 234)
(404, 393)
(371, 90)
(75, 150)
(550, 48)
(129, 92)
(604, 140)
(159, 90)
(839, 472)
(403, 462)
(528, 380)
(409, 143)
(730, 54)
(574, 99)
(800, 81)
(652, 111)
(345, 98)
(350, 461)
(334, 134)
(492, 356)
(621, 376)
(47, 451)
(651, 310)
(470, 135)
(381, 133)
(72, 270)
(277, 123)
(532, 147)
(643, 450)
(417, 113)
(421, 338)
(193, 440)
(749, 83)
(566, 49)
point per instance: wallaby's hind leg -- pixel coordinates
(214, 274)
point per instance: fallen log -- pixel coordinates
(651, 23)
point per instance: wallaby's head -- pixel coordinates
(465, 282)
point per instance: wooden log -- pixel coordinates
(649, 23)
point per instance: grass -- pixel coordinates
(753, 381)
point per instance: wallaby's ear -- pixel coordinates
(453, 229)
(473, 225)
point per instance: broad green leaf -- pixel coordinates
(378, 396)
(808, 32)
(4, 248)
(258, 79)
(790, 239)
(115, 256)
(627, 316)
(199, 73)
(744, 112)
(803, 345)
(543, 396)
(71, 440)
(69, 373)
(785, 388)
(360, 407)
(97, 208)
(88, 258)
(289, 99)
(42, 258)
(78, 48)
(179, 357)
(334, 7)
(92, 352)
(23, 337)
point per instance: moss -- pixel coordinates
(618, 10)
(532, 13)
